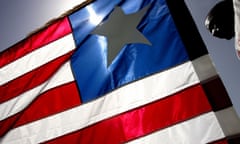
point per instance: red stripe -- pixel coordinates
(31, 79)
(8, 124)
(235, 139)
(222, 141)
(217, 94)
(144, 120)
(55, 31)
(53, 101)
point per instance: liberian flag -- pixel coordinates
(63, 84)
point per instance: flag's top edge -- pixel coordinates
(85, 3)
(52, 21)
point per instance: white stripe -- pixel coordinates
(200, 130)
(204, 67)
(123, 99)
(37, 58)
(229, 121)
(13, 106)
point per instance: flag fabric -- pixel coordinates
(236, 5)
(57, 86)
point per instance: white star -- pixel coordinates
(121, 29)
